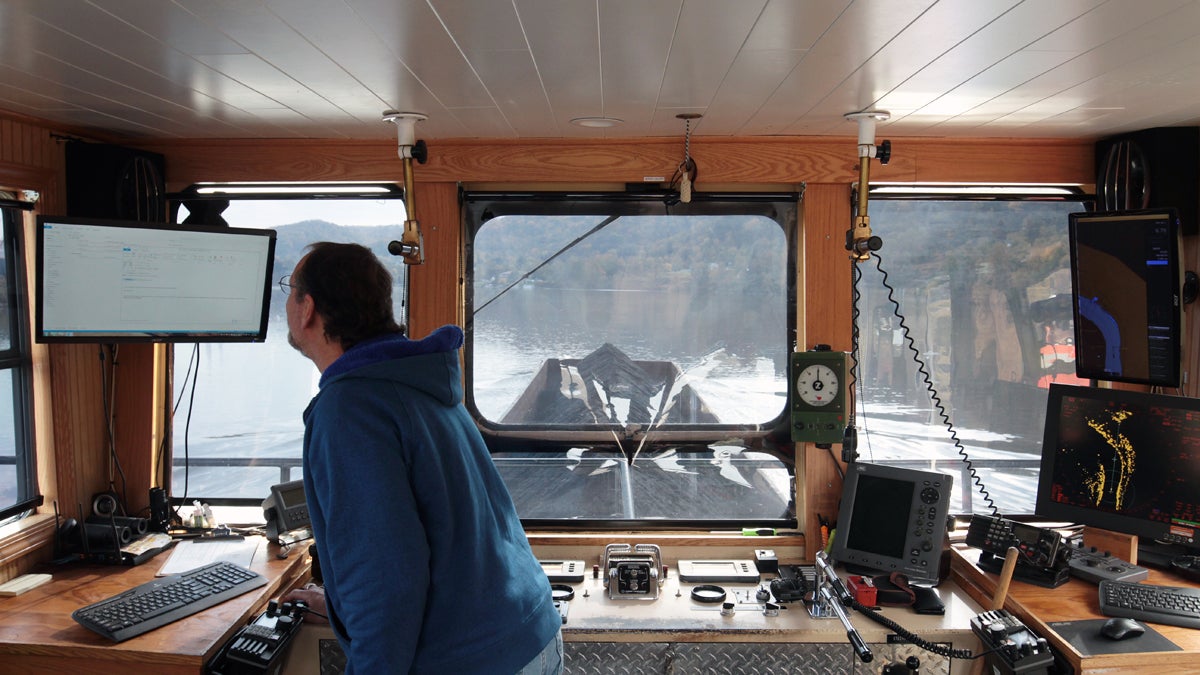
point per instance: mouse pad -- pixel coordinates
(1085, 637)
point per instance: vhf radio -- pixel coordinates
(1043, 559)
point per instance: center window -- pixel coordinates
(627, 356)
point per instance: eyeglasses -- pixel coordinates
(286, 285)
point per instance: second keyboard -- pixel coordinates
(1172, 605)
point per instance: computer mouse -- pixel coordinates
(1121, 628)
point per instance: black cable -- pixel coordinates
(187, 425)
(107, 379)
(913, 638)
(929, 386)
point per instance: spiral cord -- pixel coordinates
(926, 378)
(912, 638)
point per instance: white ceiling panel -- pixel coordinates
(525, 68)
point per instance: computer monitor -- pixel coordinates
(1126, 280)
(1123, 461)
(107, 281)
(892, 519)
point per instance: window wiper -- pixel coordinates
(604, 223)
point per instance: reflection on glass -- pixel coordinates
(248, 398)
(674, 483)
(984, 291)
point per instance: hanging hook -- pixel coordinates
(687, 169)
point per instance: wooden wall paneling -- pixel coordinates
(80, 436)
(720, 160)
(436, 294)
(137, 421)
(827, 292)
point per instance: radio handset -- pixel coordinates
(285, 510)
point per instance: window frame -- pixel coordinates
(18, 359)
(481, 206)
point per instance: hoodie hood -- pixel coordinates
(429, 364)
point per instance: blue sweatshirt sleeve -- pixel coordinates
(375, 558)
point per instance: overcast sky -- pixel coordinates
(276, 212)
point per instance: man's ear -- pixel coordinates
(308, 311)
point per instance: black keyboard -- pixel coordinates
(1172, 605)
(159, 602)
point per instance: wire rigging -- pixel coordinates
(604, 223)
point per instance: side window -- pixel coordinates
(984, 294)
(627, 359)
(237, 427)
(18, 485)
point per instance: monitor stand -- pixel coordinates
(1160, 555)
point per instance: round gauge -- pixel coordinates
(817, 385)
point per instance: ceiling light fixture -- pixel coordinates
(597, 122)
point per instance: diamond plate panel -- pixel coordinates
(617, 658)
(624, 658)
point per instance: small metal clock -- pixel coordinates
(818, 396)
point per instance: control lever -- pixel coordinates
(1013, 648)
(828, 579)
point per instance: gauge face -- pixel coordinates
(817, 385)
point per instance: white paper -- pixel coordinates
(190, 554)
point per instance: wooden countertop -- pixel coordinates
(38, 635)
(1076, 600)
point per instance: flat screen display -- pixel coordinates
(892, 519)
(1126, 286)
(116, 281)
(1124, 461)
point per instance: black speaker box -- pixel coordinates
(115, 183)
(1151, 168)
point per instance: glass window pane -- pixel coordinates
(11, 490)
(248, 399)
(674, 483)
(6, 315)
(18, 481)
(606, 332)
(984, 291)
(633, 320)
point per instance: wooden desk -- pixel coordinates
(1075, 600)
(38, 635)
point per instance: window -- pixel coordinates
(18, 481)
(984, 287)
(237, 427)
(627, 355)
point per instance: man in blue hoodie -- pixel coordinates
(426, 567)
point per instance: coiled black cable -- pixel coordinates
(928, 380)
(913, 638)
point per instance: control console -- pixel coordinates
(1015, 649)
(257, 647)
(1091, 564)
(633, 572)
